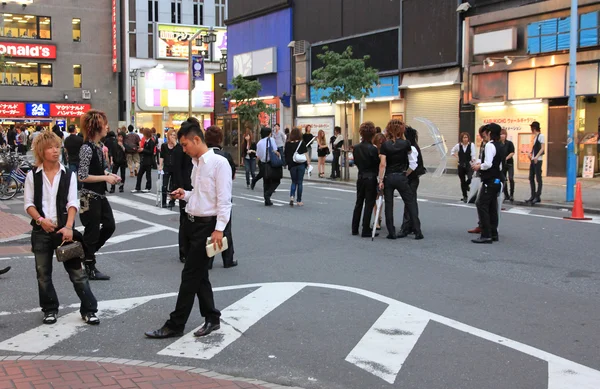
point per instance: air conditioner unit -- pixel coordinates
(300, 47)
(86, 94)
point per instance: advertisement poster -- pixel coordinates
(318, 123)
(589, 161)
(524, 150)
(264, 119)
(172, 41)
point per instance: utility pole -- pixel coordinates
(571, 143)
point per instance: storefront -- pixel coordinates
(319, 117)
(45, 114)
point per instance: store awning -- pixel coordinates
(430, 79)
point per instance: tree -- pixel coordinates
(247, 106)
(344, 78)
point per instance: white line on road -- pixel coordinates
(272, 199)
(235, 320)
(136, 234)
(519, 211)
(141, 206)
(387, 344)
(255, 200)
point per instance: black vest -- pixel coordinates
(96, 169)
(62, 197)
(420, 165)
(489, 175)
(537, 146)
(464, 157)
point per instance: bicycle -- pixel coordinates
(12, 182)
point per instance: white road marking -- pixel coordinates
(334, 189)
(235, 320)
(519, 211)
(255, 200)
(272, 199)
(384, 348)
(136, 234)
(141, 206)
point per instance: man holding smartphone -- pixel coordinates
(208, 211)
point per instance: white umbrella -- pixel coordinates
(378, 204)
(439, 143)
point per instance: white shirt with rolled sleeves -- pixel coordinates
(412, 159)
(454, 150)
(49, 192)
(212, 183)
(261, 148)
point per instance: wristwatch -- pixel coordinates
(39, 221)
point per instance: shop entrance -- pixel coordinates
(558, 120)
(232, 138)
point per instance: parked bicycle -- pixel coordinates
(14, 171)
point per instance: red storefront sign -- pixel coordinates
(69, 110)
(114, 36)
(133, 94)
(27, 50)
(11, 109)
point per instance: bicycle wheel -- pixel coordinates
(8, 187)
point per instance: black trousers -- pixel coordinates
(194, 276)
(260, 175)
(465, 174)
(407, 224)
(99, 224)
(399, 182)
(115, 169)
(487, 209)
(144, 169)
(335, 164)
(228, 254)
(269, 184)
(366, 194)
(535, 174)
(182, 217)
(167, 187)
(509, 173)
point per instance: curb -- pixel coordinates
(136, 362)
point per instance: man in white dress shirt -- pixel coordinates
(208, 210)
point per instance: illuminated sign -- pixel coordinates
(37, 109)
(69, 110)
(12, 109)
(114, 36)
(172, 41)
(27, 50)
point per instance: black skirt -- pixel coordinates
(323, 152)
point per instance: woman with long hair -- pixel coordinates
(295, 146)
(394, 170)
(95, 210)
(307, 137)
(322, 152)
(466, 153)
(146, 161)
(249, 156)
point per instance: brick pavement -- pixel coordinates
(12, 225)
(54, 372)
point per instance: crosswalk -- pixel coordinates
(381, 351)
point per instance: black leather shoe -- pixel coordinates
(207, 328)
(182, 259)
(495, 238)
(368, 234)
(482, 240)
(536, 200)
(95, 274)
(5, 270)
(162, 333)
(227, 265)
(121, 189)
(391, 236)
(252, 185)
(419, 236)
(354, 233)
(268, 203)
(402, 234)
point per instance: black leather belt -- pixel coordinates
(201, 219)
(367, 175)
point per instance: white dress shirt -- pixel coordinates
(454, 150)
(490, 153)
(211, 196)
(49, 193)
(412, 159)
(261, 148)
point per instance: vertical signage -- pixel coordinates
(114, 36)
(133, 94)
(198, 67)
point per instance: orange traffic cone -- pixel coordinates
(577, 212)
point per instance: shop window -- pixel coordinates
(551, 35)
(76, 76)
(588, 30)
(76, 30)
(24, 26)
(220, 10)
(26, 74)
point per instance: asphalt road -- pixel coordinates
(312, 306)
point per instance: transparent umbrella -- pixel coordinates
(439, 143)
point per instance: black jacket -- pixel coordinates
(147, 154)
(366, 158)
(73, 144)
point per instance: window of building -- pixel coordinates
(551, 35)
(24, 26)
(176, 11)
(198, 12)
(220, 12)
(76, 30)
(25, 73)
(152, 10)
(76, 76)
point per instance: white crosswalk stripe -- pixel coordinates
(139, 206)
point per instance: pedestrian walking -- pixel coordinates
(214, 140)
(249, 157)
(132, 145)
(466, 153)
(170, 153)
(297, 160)
(535, 167)
(394, 170)
(508, 167)
(118, 161)
(491, 183)
(271, 177)
(413, 178)
(146, 162)
(208, 210)
(322, 152)
(280, 140)
(366, 158)
(307, 137)
(336, 142)
(50, 200)
(95, 212)
(22, 141)
(73, 145)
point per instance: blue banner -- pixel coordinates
(37, 109)
(62, 124)
(198, 67)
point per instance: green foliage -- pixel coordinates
(345, 78)
(247, 107)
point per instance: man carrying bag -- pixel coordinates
(271, 165)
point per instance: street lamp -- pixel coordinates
(207, 37)
(223, 60)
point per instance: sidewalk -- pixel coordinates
(12, 227)
(448, 187)
(47, 372)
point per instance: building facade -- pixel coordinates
(58, 59)
(155, 45)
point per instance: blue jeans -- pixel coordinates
(250, 167)
(297, 173)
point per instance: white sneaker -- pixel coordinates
(134, 191)
(145, 190)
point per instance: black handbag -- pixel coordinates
(273, 164)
